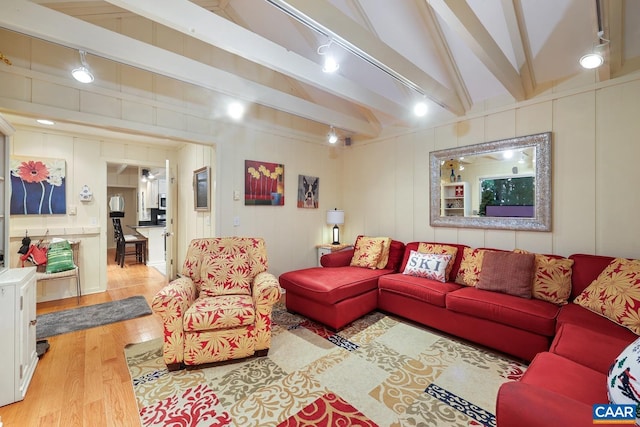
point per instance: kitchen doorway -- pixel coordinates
(138, 190)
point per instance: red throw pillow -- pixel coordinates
(507, 272)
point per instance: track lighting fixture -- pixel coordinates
(420, 109)
(235, 110)
(147, 175)
(595, 58)
(330, 64)
(82, 74)
(332, 137)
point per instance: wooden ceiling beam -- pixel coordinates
(432, 25)
(37, 21)
(353, 37)
(461, 19)
(192, 20)
(612, 15)
(516, 24)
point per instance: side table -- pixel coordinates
(328, 248)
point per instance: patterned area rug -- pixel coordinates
(379, 371)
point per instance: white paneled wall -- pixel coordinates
(595, 203)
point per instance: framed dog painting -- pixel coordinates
(308, 191)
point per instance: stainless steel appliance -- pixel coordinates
(162, 201)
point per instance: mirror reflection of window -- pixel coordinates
(507, 197)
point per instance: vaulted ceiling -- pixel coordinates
(455, 55)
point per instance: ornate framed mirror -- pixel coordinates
(503, 184)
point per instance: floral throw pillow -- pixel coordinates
(384, 256)
(615, 294)
(470, 266)
(430, 266)
(434, 248)
(367, 252)
(552, 281)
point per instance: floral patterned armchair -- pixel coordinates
(220, 309)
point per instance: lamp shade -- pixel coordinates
(335, 217)
(116, 206)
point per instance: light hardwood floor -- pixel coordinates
(83, 379)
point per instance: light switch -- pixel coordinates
(236, 195)
(236, 221)
(73, 210)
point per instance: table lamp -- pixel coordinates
(336, 218)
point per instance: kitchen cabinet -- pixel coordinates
(155, 245)
(18, 357)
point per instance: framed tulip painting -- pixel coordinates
(38, 186)
(263, 183)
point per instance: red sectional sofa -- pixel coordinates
(516, 326)
(561, 385)
(570, 348)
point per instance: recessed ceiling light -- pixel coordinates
(46, 122)
(235, 110)
(420, 109)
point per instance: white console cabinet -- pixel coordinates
(18, 357)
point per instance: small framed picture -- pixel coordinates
(201, 189)
(308, 191)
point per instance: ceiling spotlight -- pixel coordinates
(420, 109)
(235, 110)
(595, 58)
(332, 137)
(591, 60)
(330, 63)
(82, 74)
(46, 122)
(147, 175)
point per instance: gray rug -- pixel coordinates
(75, 319)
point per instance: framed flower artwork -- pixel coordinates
(38, 186)
(263, 183)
